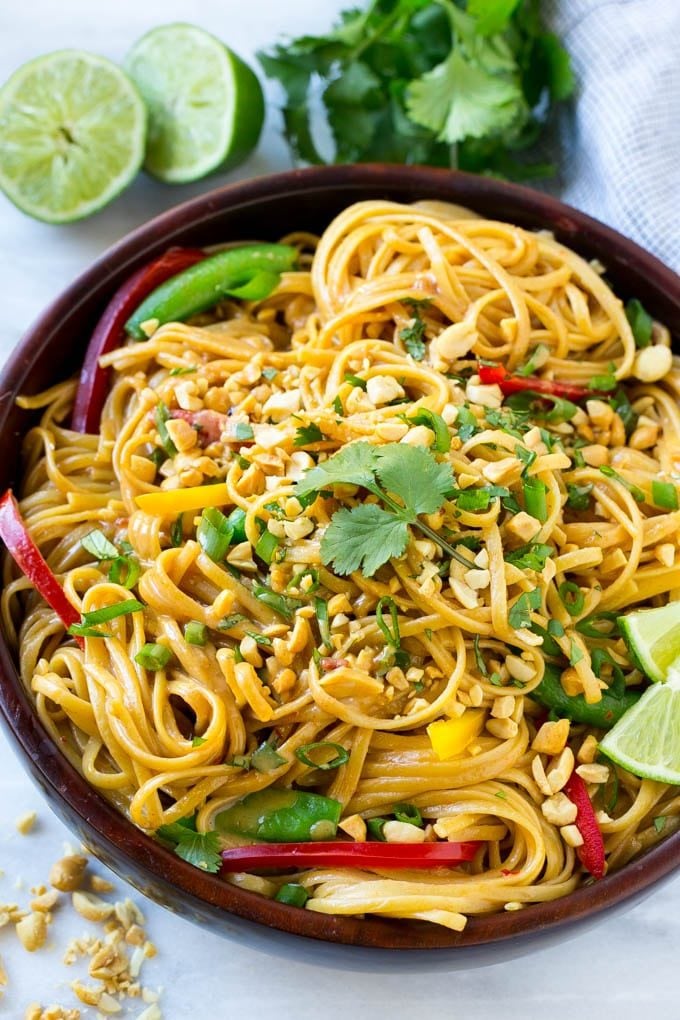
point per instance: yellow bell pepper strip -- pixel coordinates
(451, 736)
(178, 501)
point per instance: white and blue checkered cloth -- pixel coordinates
(621, 140)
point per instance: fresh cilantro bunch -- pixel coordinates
(407, 480)
(465, 83)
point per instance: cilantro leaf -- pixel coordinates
(412, 338)
(363, 538)
(352, 465)
(412, 473)
(198, 848)
(98, 545)
(641, 322)
(530, 557)
(492, 15)
(519, 614)
(305, 435)
(202, 849)
(458, 99)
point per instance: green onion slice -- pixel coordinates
(572, 597)
(103, 615)
(125, 570)
(214, 533)
(408, 813)
(665, 495)
(153, 656)
(342, 755)
(195, 632)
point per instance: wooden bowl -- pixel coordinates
(266, 208)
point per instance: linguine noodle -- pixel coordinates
(408, 300)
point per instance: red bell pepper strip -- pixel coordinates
(591, 853)
(339, 854)
(29, 559)
(109, 332)
(490, 374)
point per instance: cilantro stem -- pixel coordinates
(425, 529)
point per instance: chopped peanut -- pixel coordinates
(67, 874)
(593, 773)
(571, 835)
(355, 827)
(552, 737)
(32, 931)
(559, 810)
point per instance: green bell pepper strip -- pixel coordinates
(250, 273)
(281, 816)
(603, 714)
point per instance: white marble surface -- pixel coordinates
(625, 967)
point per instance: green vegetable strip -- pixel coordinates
(162, 417)
(665, 495)
(321, 610)
(249, 272)
(237, 520)
(534, 498)
(603, 714)
(281, 816)
(214, 534)
(103, 615)
(267, 547)
(125, 570)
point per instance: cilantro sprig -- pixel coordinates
(202, 849)
(407, 480)
(442, 82)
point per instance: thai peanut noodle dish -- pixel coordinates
(336, 569)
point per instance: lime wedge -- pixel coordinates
(73, 129)
(206, 106)
(653, 638)
(646, 740)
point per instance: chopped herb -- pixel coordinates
(163, 416)
(542, 406)
(606, 381)
(398, 656)
(98, 545)
(495, 679)
(355, 380)
(555, 628)
(660, 823)
(536, 360)
(260, 639)
(575, 653)
(623, 407)
(466, 424)
(515, 423)
(412, 337)
(284, 605)
(228, 622)
(641, 322)
(308, 434)
(519, 614)
(296, 581)
(198, 741)
(182, 371)
(243, 430)
(527, 457)
(266, 758)
(177, 531)
(270, 372)
(530, 557)
(321, 611)
(501, 794)
(578, 497)
(479, 658)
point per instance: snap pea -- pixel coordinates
(603, 714)
(250, 272)
(281, 816)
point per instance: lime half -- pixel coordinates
(653, 638)
(206, 106)
(72, 135)
(646, 740)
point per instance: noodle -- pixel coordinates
(167, 743)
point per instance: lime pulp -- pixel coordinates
(653, 638)
(73, 130)
(206, 107)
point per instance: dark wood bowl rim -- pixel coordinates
(125, 846)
